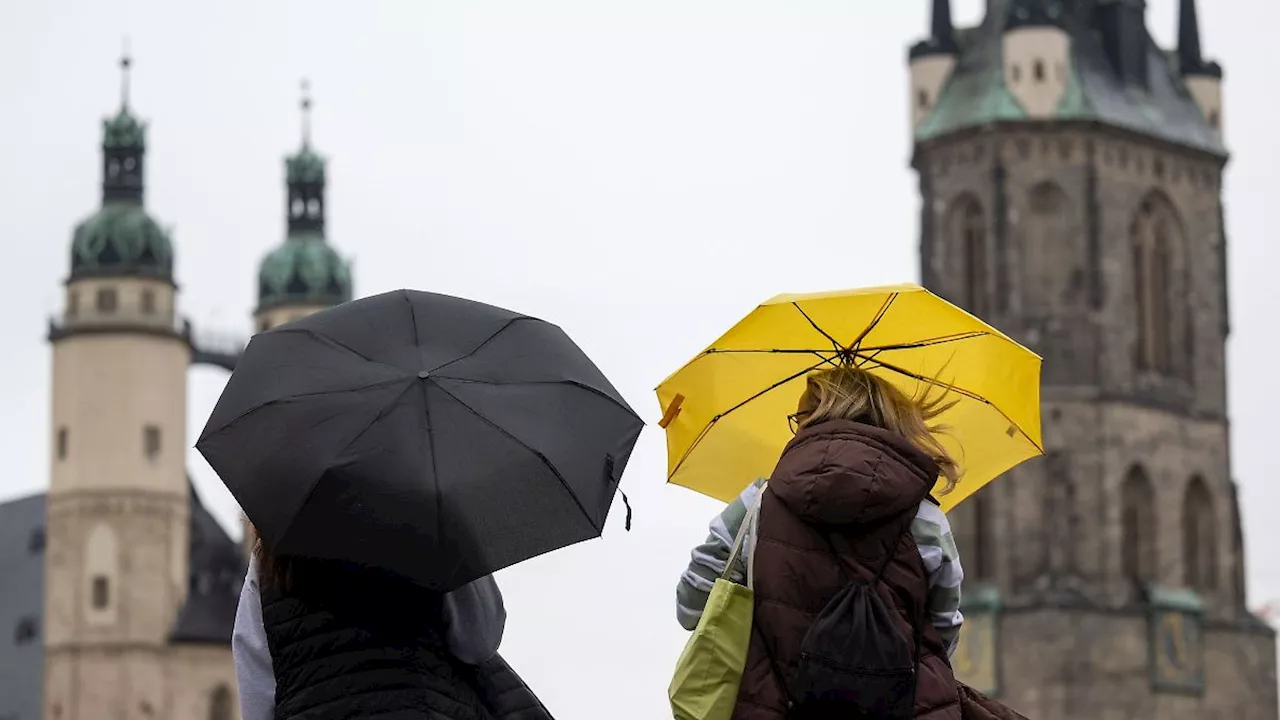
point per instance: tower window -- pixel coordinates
(151, 441)
(1016, 73)
(148, 302)
(113, 169)
(922, 99)
(1155, 243)
(313, 208)
(220, 704)
(297, 207)
(101, 592)
(1213, 119)
(107, 300)
(1138, 524)
(1037, 70)
(130, 164)
(26, 631)
(35, 543)
(1199, 537)
(63, 443)
(73, 303)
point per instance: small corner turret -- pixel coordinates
(1037, 55)
(931, 61)
(1203, 78)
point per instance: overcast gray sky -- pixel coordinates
(642, 172)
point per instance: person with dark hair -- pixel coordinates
(322, 639)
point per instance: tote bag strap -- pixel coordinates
(741, 539)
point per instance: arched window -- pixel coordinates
(1138, 526)
(968, 240)
(1060, 517)
(1199, 537)
(1052, 252)
(220, 704)
(1159, 291)
(101, 569)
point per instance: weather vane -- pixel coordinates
(125, 63)
(306, 113)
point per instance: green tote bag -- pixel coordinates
(705, 685)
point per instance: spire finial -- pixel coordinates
(306, 113)
(125, 63)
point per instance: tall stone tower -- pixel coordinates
(134, 627)
(1070, 176)
(118, 504)
(305, 274)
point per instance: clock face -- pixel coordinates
(1177, 651)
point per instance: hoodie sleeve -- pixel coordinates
(475, 619)
(708, 560)
(932, 533)
(254, 673)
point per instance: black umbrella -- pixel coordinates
(437, 437)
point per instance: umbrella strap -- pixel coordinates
(627, 504)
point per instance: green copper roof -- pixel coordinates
(305, 167)
(121, 239)
(123, 131)
(975, 94)
(305, 270)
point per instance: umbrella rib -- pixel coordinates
(884, 309)
(967, 393)
(545, 460)
(834, 343)
(486, 341)
(574, 383)
(316, 482)
(338, 343)
(931, 342)
(321, 393)
(720, 416)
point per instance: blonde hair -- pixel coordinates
(851, 393)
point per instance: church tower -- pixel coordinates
(305, 274)
(1070, 176)
(118, 516)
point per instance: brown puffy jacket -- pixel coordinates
(867, 484)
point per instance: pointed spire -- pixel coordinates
(306, 114)
(125, 63)
(942, 30)
(1189, 56)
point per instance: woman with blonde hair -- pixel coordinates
(853, 561)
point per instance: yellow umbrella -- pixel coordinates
(725, 412)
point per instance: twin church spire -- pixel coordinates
(121, 239)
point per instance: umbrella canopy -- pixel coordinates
(726, 410)
(437, 437)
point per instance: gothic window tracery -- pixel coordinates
(1159, 290)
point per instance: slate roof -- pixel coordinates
(976, 94)
(216, 572)
(21, 604)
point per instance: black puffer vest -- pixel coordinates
(348, 642)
